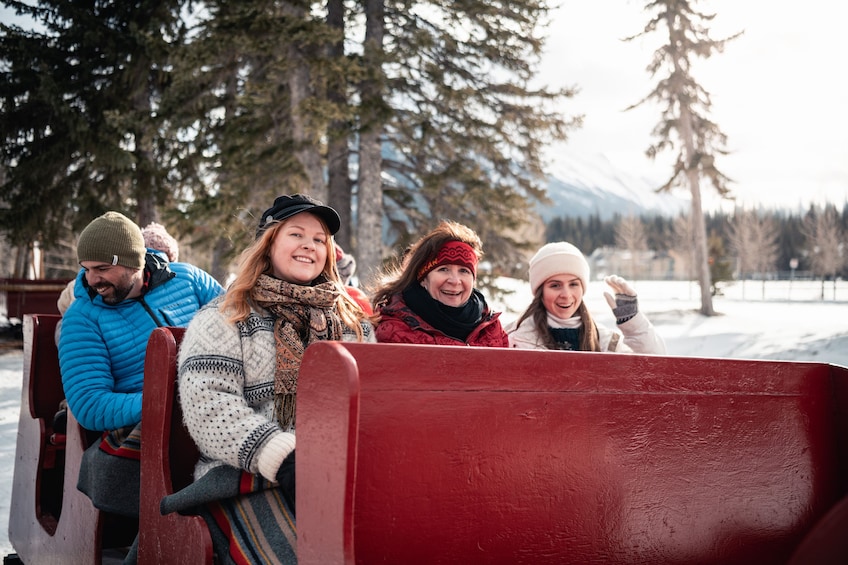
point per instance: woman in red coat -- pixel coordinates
(431, 299)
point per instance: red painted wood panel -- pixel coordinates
(495, 456)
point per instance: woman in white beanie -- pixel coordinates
(559, 319)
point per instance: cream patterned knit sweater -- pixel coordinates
(226, 388)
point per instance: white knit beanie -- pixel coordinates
(555, 259)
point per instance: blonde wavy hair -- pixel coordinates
(256, 261)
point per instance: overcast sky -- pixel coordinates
(779, 92)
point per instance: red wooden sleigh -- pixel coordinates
(50, 521)
(417, 454)
(426, 454)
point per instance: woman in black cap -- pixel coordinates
(238, 369)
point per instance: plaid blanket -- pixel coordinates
(248, 517)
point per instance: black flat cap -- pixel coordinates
(286, 206)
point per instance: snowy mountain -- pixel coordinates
(583, 185)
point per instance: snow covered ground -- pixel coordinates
(788, 321)
(785, 320)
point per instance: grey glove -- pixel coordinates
(624, 305)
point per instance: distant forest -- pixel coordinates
(793, 236)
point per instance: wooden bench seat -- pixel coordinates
(424, 454)
(168, 456)
(50, 521)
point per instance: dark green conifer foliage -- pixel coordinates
(233, 109)
(468, 124)
(204, 120)
(79, 93)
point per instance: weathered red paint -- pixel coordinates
(425, 454)
(466, 455)
(31, 296)
(168, 456)
(45, 475)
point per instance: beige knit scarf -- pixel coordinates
(304, 314)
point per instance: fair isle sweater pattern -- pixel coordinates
(226, 386)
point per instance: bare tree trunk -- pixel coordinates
(22, 255)
(700, 228)
(369, 239)
(305, 139)
(306, 149)
(340, 187)
(701, 251)
(338, 151)
(219, 268)
(145, 184)
(369, 236)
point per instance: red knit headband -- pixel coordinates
(451, 253)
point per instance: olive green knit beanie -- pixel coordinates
(114, 239)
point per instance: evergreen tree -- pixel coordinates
(339, 183)
(687, 104)
(359, 104)
(659, 233)
(251, 107)
(586, 234)
(260, 98)
(79, 94)
(466, 129)
(771, 239)
(719, 264)
(790, 240)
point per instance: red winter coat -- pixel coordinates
(399, 324)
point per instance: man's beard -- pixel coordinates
(119, 293)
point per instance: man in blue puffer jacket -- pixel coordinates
(123, 292)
